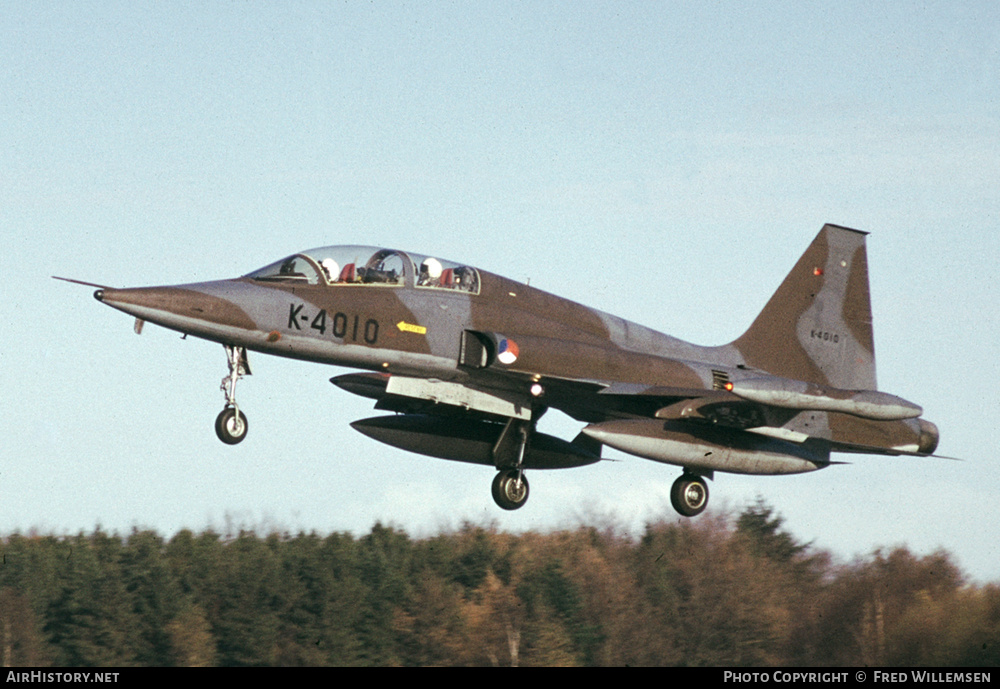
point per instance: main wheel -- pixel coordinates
(509, 491)
(689, 495)
(231, 425)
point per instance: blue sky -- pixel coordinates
(667, 162)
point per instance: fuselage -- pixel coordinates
(424, 318)
(406, 328)
(468, 361)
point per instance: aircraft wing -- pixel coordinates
(586, 401)
(614, 409)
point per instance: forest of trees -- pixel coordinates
(716, 591)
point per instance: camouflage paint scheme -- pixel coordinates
(470, 360)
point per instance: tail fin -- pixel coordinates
(818, 325)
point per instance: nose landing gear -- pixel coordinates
(231, 424)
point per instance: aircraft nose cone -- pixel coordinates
(181, 307)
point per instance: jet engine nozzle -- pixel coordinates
(929, 437)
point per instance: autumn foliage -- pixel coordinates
(713, 591)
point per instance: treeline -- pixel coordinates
(710, 591)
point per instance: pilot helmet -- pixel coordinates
(331, 268)
(432, 267)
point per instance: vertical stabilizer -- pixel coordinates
(818, 325)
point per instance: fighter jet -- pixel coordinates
(468, 361)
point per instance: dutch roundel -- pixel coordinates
(507, 351)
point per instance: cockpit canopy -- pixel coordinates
(366, 265)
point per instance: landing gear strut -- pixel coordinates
(231, 424)
(510, 487)
(689, 495)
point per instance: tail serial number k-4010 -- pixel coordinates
(467, 362)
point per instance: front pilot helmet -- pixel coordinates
(331, 268)
(432, 267)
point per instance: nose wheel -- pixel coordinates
(231, 424)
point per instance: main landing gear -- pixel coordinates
(510, 487)
(231, 424)
(689, 495)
